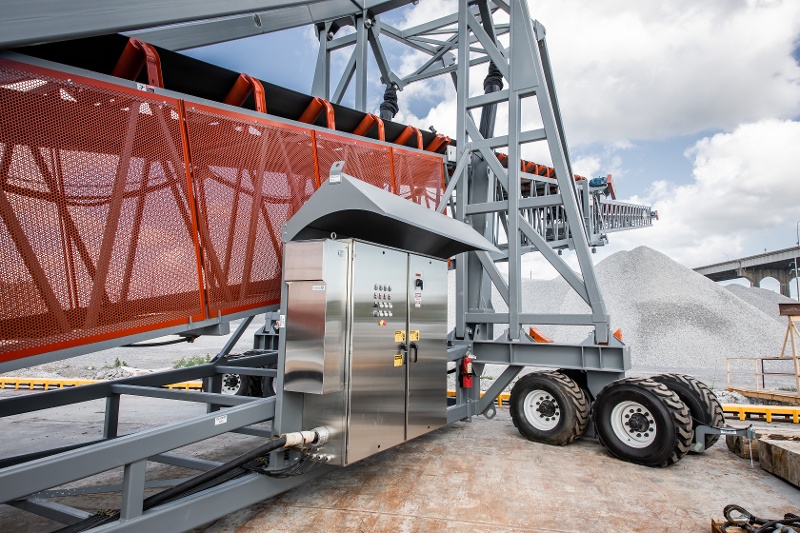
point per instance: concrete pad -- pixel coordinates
(479, 476)
(483, 476)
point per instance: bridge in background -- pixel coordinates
(779, 264)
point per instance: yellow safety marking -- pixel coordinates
(398, 359)
(768, 411)
(400, 335)
(413, 335)
(47, 383)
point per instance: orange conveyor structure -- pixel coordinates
(124, 212)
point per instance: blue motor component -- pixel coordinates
(598, 182)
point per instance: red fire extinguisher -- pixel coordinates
(466, 375)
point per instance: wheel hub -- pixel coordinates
(633, 424)
(638, 422)
(547, 408)
(542, 410)
(231, 383)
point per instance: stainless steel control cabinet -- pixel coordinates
(366, 330)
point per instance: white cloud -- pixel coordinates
(634, 71)
(649, 70)
(745, 197)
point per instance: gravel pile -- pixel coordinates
(673, 318)
(765, 300)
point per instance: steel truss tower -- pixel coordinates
(512, 205)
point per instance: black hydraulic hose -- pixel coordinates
(205, 477)
(492, 83)
(389, 107)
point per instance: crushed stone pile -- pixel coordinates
(765, 300)
(673, 318)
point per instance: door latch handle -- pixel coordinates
(404, 350)
(415, 351)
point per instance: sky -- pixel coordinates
(693, 107)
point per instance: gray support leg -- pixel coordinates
(133, 490)
(499, 384)
(231, 342)
(361, 61)
(111, 424)
(322, 79)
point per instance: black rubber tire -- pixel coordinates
(572, 404)
(671, 419)
(268, 384)
(703, 404)
(235, 384)
(255, 386)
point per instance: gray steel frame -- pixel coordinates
(191, 23)
(546, 215)
(516, 211)
(552, 213)
(25, 483)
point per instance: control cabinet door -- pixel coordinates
(427, 355)
(377, 386)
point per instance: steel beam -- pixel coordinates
(57, 355)
(25, 23)
(52, 510)
(246, 371)
(360, 55)
(196, 510)
(193, 463)
(132, 490)
(610, 358)
(55, 398)
(21, 480)
(181, 395)
(102, 489)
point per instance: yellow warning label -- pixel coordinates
(413, 335)
(400, 335)
(398, 359)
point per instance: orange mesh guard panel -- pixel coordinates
(95, 229)
(367, 161)
(419, 177)
(107, 231)
(251, 175)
